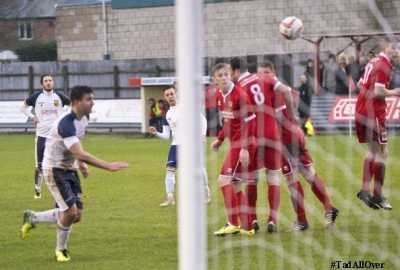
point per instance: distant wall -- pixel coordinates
(231, 28)
(109, 79)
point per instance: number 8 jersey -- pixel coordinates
(261, 91)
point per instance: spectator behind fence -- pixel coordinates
(305, 95)
(309, 73)
(342, 77)
(353, 68)
(163, 106)
(155, 113)
(329, 77)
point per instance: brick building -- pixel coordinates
(230, 27)
(146, 30)
(24, 21)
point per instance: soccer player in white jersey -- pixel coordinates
(62, 158)
(48, 105)
(169, 123)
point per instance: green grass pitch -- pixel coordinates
(123, 226)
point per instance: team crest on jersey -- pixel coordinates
(230, 104)
(79, 197)
(56, 103)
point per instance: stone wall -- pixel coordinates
(232, 28)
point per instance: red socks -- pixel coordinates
(251, 194)
(319, 189)
(231, 203)
(297, 197)
(244, 214)
(274, 199)
(379, 178)
(368, 170)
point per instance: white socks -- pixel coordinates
(49, 216)
(62, 236)
(170, 182)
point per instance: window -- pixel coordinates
(117, 4)
(25, 30)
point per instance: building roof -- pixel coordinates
(67, 3)
(21, 9)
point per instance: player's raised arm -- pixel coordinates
(77, 150)
(382, 92)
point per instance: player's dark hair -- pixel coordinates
(169, 87)
(78, 91)
(267, 64)
(44, 75)
(238, 63)
(218, 67)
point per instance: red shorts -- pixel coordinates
(269, 157)
(232, 167)
(295, 155)
(371, 129)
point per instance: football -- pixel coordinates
(291, 28)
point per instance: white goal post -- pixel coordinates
(191, 209)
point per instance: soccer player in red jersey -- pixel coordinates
(239, 127)
(370, 121)
(260, 88)
(296, 159)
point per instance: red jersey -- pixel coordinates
(261, 88)
(289, 131)
(378, 72)
(237, 114)
(211, 96)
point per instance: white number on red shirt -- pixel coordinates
(259, 97)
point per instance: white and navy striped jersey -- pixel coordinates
(170, 121)
(48, 107)
(65, 132)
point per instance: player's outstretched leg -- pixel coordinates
(27, 223)
(319, 189)
(297, 198)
